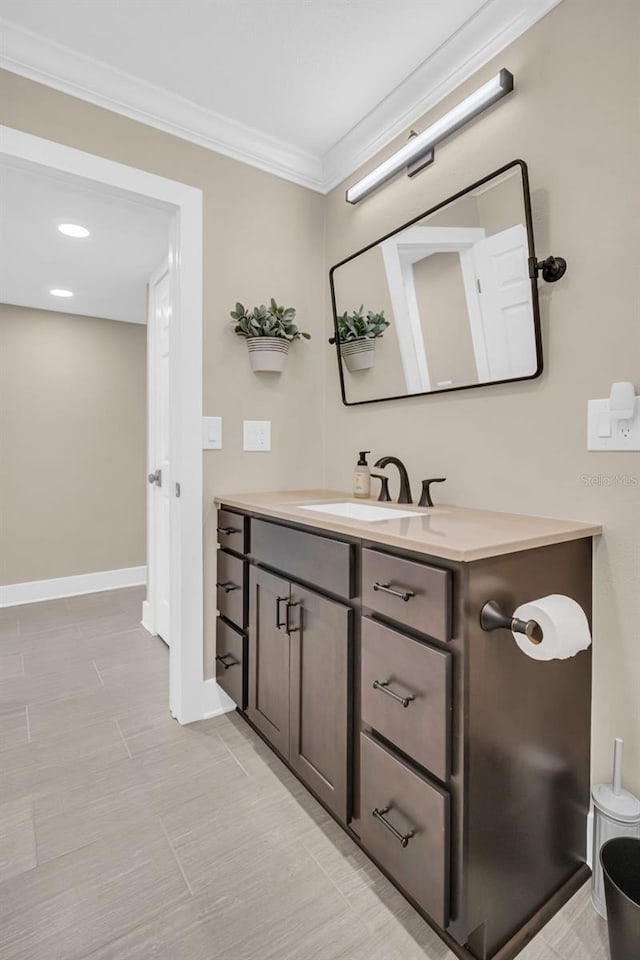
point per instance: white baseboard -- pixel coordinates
(37, 590)
(147, 619)
(215, 701)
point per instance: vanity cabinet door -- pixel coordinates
(321, 643)
(269, 658)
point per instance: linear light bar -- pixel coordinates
(475, 103)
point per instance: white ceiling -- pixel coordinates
(107, 272)
(305, 88)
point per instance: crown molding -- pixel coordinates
(37, 58)
(497, 24)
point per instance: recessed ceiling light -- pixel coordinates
(57, 292)
(73, 230)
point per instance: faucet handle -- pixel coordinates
(425, 496)
(384, 486)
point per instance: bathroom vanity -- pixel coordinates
(459, 764)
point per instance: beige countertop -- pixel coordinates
(453, 533)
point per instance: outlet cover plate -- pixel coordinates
(256, 435)
(604, 433)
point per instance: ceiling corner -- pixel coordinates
(497, 24)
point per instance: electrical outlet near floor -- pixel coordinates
(256, 435)
(605, 433)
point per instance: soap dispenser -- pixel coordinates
(362, 477)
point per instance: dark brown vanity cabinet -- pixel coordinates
(299, 680)
(458, 763)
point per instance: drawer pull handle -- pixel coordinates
(280, 623)
(228, 586)
(228, 530)
(385, 588)
(402, 837)
(223, 660)
(383, 685)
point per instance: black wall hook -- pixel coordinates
(551, 269)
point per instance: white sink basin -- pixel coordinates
(359, 511)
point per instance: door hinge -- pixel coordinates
(177, 489)
(478, 285)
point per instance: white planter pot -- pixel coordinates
(359, 354)
(267, 353)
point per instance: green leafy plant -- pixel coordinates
(271, 321)
(355, 326)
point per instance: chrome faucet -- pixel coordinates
(405, 489)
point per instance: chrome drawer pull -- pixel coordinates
(384, 686)
(402, 837)
(226, 656)
(228, 586)
(228, 530)
(385, 588)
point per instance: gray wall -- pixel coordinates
(73, 444)
(583, 166)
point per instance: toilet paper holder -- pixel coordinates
(492, 617)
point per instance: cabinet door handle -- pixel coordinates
(223, 657)
(289, 628)
(383, 685)
(228, 586)
(402, 837)
(385, 588)
(280, 623)
(228, 530)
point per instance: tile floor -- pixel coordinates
(124, 836)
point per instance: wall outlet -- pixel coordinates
(256, 435)
(608, 433)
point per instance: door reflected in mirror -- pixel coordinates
(455, 287)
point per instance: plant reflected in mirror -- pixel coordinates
(454, 289)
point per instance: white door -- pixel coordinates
(159, 500)
(504, 289)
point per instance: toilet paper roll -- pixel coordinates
(564, 626)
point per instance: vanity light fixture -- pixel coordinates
(73, 230)
(419, 151)
(58, 292)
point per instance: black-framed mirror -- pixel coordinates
(451, 295)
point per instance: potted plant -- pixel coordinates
(268, 332)
(357, 336)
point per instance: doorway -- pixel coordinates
(190, 697)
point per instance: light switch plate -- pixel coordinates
(212, 433)
(605, 433)
(256, 435)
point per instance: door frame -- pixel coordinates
(190, 697)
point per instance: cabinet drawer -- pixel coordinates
(233, 531)
(405, 827)
(231, 662)
(410, 704)
(421, 596)
(326, 563)
(230, 588)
